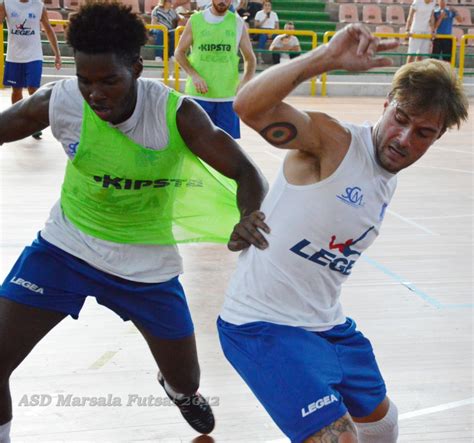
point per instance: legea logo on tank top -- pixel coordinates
(22, 29)
(318, 404)
(324, 257)
(27, 284)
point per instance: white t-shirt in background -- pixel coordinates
(260, 16)
(421, 18)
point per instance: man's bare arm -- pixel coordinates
(53, 41)
(26, 117)
(224, 154)
(250, 62)
(260, 103)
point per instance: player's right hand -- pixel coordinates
(247, 232)
(200, 84)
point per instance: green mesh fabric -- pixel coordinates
(117, 190)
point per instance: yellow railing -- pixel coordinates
(405, 35)
(177, 36)
(165, 50)
(312, 34)
(462, 53)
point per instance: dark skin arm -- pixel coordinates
(26, 117)
(222, 152)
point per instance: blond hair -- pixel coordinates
(431, 85)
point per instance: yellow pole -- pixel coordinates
(165, 50)
(312, 34)
(327, 34)
(2, 58)
(462, 51)
(313, 80)
(177, 36)
(453, 52)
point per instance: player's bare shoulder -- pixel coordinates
(334, 137)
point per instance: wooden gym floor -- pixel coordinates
(411, 294)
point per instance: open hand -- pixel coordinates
(247, 233)
(354, 48)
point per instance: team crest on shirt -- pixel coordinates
(352, 196)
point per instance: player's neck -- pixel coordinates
(215, 12)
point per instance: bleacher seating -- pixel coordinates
(395, 15)
(384, 29)
(458, 33)
(348, 13)
(372, 14)
(465, 13)
(52, 4)
(149, 5)
(55, 15)
(133, 3)
(72, 5)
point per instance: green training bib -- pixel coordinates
(117, 190)
(214, 56)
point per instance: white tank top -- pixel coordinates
(24, 34)
(318, 232)
(146, 126)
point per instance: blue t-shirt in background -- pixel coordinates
(446, 25)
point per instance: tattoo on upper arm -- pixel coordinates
(279, 133)
(333, 432)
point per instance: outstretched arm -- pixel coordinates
(260, 103)
(53, 41)
(222, 152)
(26, 117)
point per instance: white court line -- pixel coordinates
(442, 216)
(465, 171)
(103, 359)
(411, 222)
(434, 409)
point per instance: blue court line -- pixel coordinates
(423, 295)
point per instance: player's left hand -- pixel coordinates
(354, 48)
(247, 232)
(57, 62)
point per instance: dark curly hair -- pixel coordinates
(107, 27)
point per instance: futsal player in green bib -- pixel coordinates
(214, 37)
(146, 170)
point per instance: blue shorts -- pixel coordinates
(47, 277)
(222, 115)
(305, 380)
(23, 75)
